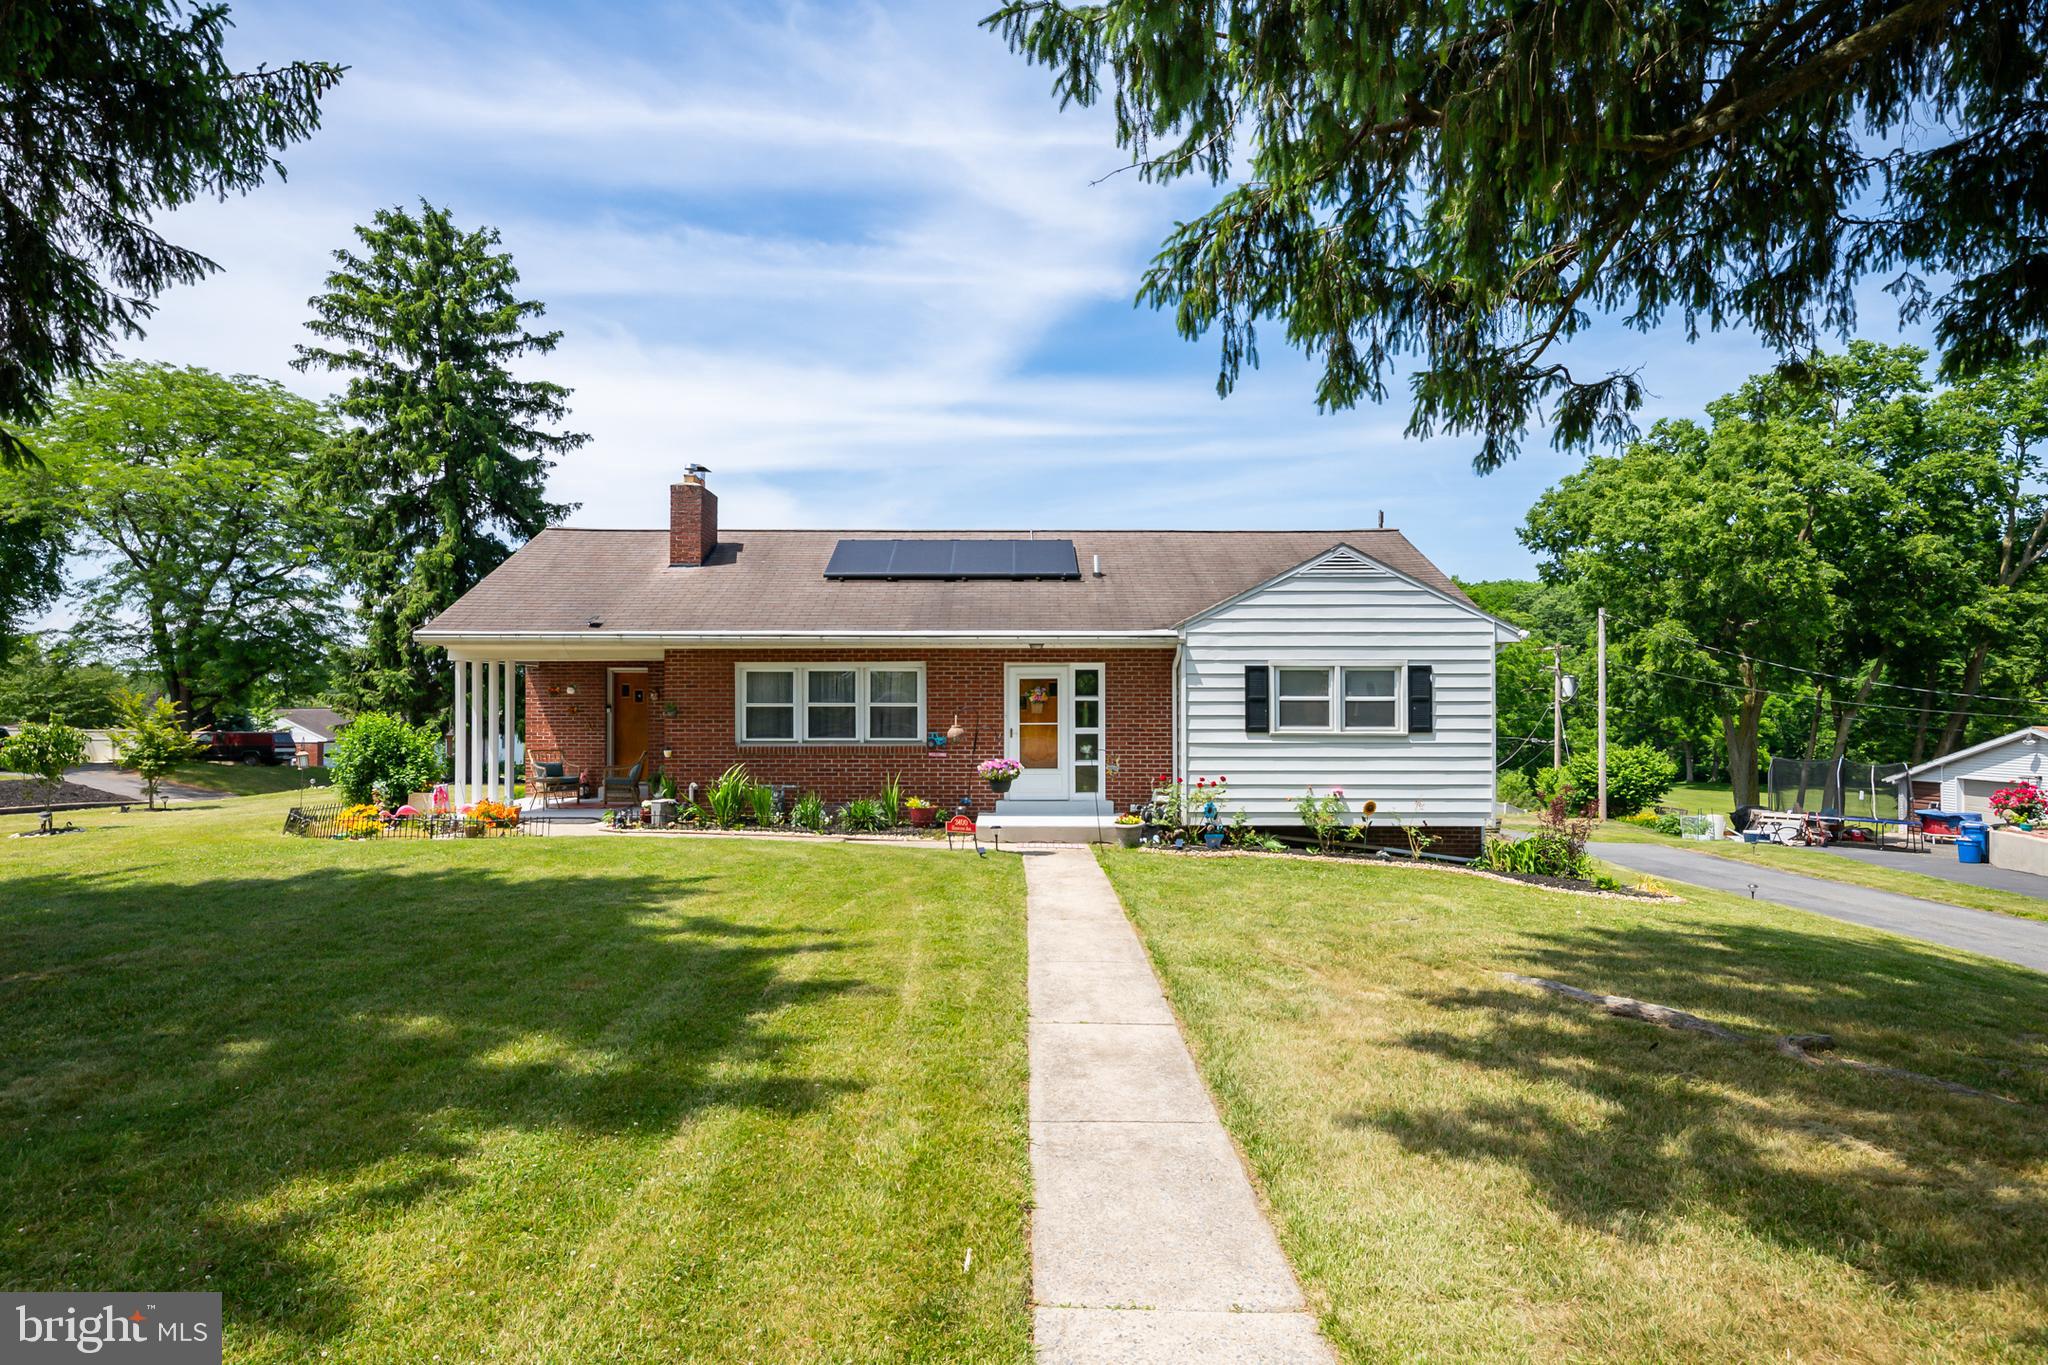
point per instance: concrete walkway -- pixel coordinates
(2020, 941)
(1148, 1243)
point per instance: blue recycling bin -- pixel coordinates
(1973, 840)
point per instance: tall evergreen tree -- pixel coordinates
(109, 111)
(447, 453)
(1457, 189)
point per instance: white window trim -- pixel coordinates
(1100, 730)
(1335, 673)
(800, 694)
(1400, 700)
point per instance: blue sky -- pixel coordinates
(851, 257)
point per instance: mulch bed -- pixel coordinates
(34, 798)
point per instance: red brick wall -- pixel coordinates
(698, 685)
(574, 725)
(692, 523)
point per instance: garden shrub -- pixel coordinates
(864, 815)
(1638, 775)
(730, 796)
(380, 757)
(1517, 790)
(1663, 824)
(809, 813)
(1556, 849)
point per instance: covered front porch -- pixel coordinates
(1089, 730)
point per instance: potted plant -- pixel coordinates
(921, 811)
(2021, 804)
(1128, 829)
(999, 772)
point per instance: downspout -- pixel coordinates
(1179, 766)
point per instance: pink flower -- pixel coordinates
(1336, 791)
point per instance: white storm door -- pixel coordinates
(1036, 730)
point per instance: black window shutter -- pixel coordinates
(1258, 706)
(1421, 699)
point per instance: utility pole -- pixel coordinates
(1601, 654)
(1557, 706)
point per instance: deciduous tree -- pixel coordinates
(152, 740)
(192, 496)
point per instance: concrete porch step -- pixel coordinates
(1064, 828)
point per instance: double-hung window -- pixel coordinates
(1301, 696)
(830, 703)
(1346, 698)
(893, 703)
(1370, 700)
(768, 704)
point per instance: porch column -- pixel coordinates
(491, 669)
(476, 726)
(504, 752)
(460, 729)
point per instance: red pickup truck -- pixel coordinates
(250, 747)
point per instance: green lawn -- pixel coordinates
(235, 779)
(1702, 798)
(539, 1099)
(1463, 1168)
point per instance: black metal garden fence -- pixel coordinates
(335, 821)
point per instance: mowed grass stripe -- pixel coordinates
(1464, 1169)
(606, 1098)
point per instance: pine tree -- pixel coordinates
(110, 113)
(447, 454)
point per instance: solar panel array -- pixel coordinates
(954, 559)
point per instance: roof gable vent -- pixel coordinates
(1342, 562)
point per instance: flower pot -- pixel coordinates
(1000, 785)
(921, 816)
(1213, 838)
(1127, 835)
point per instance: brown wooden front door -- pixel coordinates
(629, 703)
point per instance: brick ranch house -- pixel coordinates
(1100, 660)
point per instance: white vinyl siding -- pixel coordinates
(1363, 624)
(1967, 781)
(829, 703)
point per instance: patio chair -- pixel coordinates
(622, 785)
(548, 777)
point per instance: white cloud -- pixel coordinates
(850, 258)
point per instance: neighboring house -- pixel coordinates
(1965, 779)
(1100, 660)
(313, 729)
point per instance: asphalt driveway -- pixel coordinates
(2020, 941)
(1941, 862)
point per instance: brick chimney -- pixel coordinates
(692, 519)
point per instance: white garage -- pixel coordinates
(1969, 776)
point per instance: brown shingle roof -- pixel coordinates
(768, 581)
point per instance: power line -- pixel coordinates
(1844, 677)
(2031, 717)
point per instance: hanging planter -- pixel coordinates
(999, 773)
